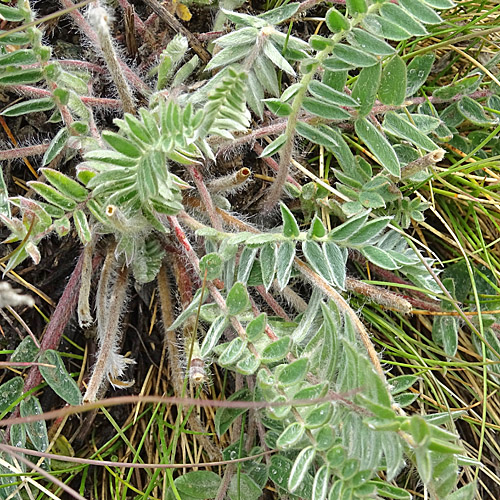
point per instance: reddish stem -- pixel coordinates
(274, 164)
(272, 303)
(59, 319)
(91, 101)
(12, 154)
(205, 197)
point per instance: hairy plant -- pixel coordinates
(340, 428)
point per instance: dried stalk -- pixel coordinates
(109, 363)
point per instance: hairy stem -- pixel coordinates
(98, 17)
(85, 28)
(84, 315)
(108, 334)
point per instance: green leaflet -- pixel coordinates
(248, 365)
(301, 467)
(320, 484)
(268, 262)
(466, 85)
(370, 43)
(278, 107)
(421, 11)
(314, 255)
(53, 196)
(466, 493)
(336, 261)
(237, 299)
(213, 335)
(233, 352)
(58, 378)
(188, 311)
(293, 373)
(317, 229)
(10, 392)
(291, 435)
(37, 431)
(290, 226)
(395, 14)
(336, 21)
(56, 145)
(284, 263)
(11, 14)
(441, 4)
(392, 90)
(353, 56)
(324, 110)
(4, 194)
(255, 329)
(378, 145)
(25, 352)
(244, 486)
(247, 259)
(121, 144)
(343, 232)
(65, 185)
(397, 125)
(379, 257)
(319, 416)
(402, 383)
(329, 94)
(356, 7)
(366, 88)
(473, 111)
(276, 351)
(417, 72)
(224, 417)
(445, 333)
(316, 135)
(342, 151)
(33, 106)
(18, 57)
(274, 146)
(384, 28)
(280, 14)
(198, 484)
(211, 264)
(20, 77)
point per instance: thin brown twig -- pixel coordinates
(174, 400)
(131, 465)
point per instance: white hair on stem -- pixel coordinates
(111, 300)
(99, 19)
